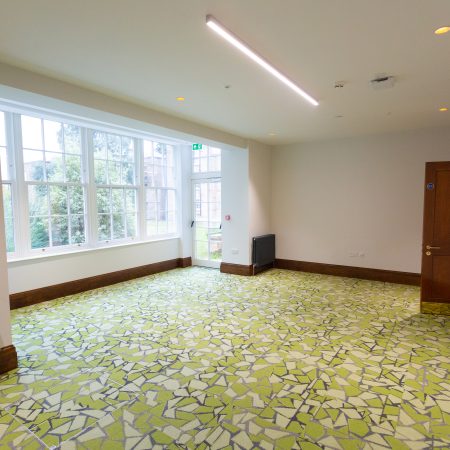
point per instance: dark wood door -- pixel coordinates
(436, 234)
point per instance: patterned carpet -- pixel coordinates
(192, 358)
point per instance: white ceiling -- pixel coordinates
(151, 51)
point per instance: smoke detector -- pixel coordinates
(382, 81)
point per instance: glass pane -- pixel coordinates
(2, 130)
(171, 200)
(53, 136)
(38, 200)
(104, 227)
(7, 200)
(215, 192)
(9, 235)
(131, 225)
(171, 223)
(118, 226)
(31, 133)
(117, 201)
(201, 231)
(170, 156)
(114, 172)
(162, 199)
(202, 250)
(148, 151)
(127, 173)
(4, 164)
(33, 162)
(58, 200)
(127, 149)
(151, 196)
(196, 165)
(162, 222)
(76, 200)
(151, 211)
(77, 235)
(99, 142)
(100, 170)
(214, 164)
(215, 247)
(103, 201)
(55, 166)
(213, 151)
(130, 199)
(39, 232)
(152, 227)
(114, 150)
(203, 165)
(159, 153)
(60, 231)
(72, 139)
(73, 168)
(159, 176)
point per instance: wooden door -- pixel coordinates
(436, 234)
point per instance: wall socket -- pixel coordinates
(235, 251)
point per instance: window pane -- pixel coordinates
(171, 200)
(104, 227)
(39, 232)
(127, 174)
(117, 201)
(38, 200)
(53, 136)
(214, 164)
(100, 169)
(114, 172)
(31, 132)
(77, 230)
(60, 231)
(72, 139)
(99, 141)
(131, 225)
(118, 226)
(171, 222)
(130, 199)
(58, 200)
(73, 168)
(8, 214)
(55, 166)
(9, 235)
(4, 164)
(114, 147)
(103, 201)
(170, 177)
(33, 162)
(152, 227)
(2, 130)
(127, 149)
(76, 199)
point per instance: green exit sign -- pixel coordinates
(196, 146)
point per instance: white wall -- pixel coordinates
(359, 195)
(5, 324)
(235, 202)
(40, 272)
(260, 188)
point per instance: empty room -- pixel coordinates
(225, 224)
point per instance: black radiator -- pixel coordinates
(263, 252)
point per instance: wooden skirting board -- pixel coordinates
(388, 276)
(34, 296)
(236, 269)
(8, 358)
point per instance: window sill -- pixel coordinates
(12, 261)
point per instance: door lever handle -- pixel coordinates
(429, 247)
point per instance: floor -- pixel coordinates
(192, 358)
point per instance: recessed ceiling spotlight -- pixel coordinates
(236, 42)
(339, 116)
(442, 30)
(272, 134)
(443, 109)
(180, 99)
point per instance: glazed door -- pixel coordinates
(436, 234)
(207, 229)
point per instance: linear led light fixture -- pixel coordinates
(233, 40)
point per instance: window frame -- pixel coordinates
(19, 186)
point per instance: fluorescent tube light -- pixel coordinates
(233, 40)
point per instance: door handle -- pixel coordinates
(192, 224)
(429, 247)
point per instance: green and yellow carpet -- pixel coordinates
(193, 358)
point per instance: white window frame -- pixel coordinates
(19, 187)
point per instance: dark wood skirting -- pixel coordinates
(389, 276)
(236, 269)
(260, 269)
(8, 358)
(85, 284)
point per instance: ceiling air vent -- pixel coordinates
(382, 81)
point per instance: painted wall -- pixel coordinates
(46, 271)
(260, 188)
(235, 202)
(361, 196)
(5, 323)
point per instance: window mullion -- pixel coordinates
(140, 200)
